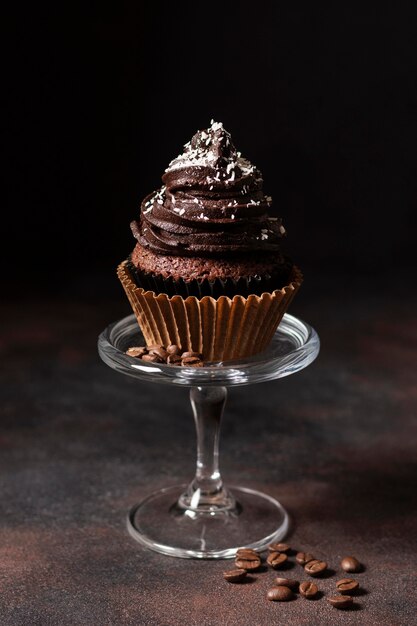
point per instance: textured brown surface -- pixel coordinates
(81, 443)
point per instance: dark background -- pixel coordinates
(98, 101)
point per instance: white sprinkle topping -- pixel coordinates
(245, 165)
(232, 216)
(282, 230)
(205, 150)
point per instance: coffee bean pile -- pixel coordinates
(171, 355)
(248, 561)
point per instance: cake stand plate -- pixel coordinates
(207, 519)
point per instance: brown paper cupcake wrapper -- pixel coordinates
(221, 329)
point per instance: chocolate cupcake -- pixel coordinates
(208, 252)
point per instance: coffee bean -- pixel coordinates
(247, 552)
(247, 559)
(350, 564)
(279, 547)
(287, 582)
(347, 585)
(280, 594)
(152, 358)
(340, 602)
(154, 346)
(161, 352)
(185, 355)
(174, 359)
(308, 589)
(136, 352)
(304, 557)
(315, 567)
(235, 575)
(191, 361)
(173, 349)
(276, 559)
(247, 564)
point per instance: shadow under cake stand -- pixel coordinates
(207, 519)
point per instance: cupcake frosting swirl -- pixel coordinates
(211, 203)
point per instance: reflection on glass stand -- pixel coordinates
(207, 519)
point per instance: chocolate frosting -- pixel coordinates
(211, 203)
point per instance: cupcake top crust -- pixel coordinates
(211, 204)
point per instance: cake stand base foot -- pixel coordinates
(161, 525)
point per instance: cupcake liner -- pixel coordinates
(221, 329)
(252, 285)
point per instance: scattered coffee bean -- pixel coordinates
(248, 565)
(235, 575)
(161, 352)
(304, 557)
(287, 582)
(136, 352)
(185, 355)
(350, 564)
(276, 559)
(191, 361)
(308, 589)
(247, 552)
(173, 349)
(247, 559)
(280, 594)
(174, 359)
(152, 358)
(171, 355)
(279, 547)
(315, 567)
(340, 602)
(347, 585)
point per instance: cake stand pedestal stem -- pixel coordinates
(207, 493)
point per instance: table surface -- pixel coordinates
(80, 443)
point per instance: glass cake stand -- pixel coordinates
(207, 519)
